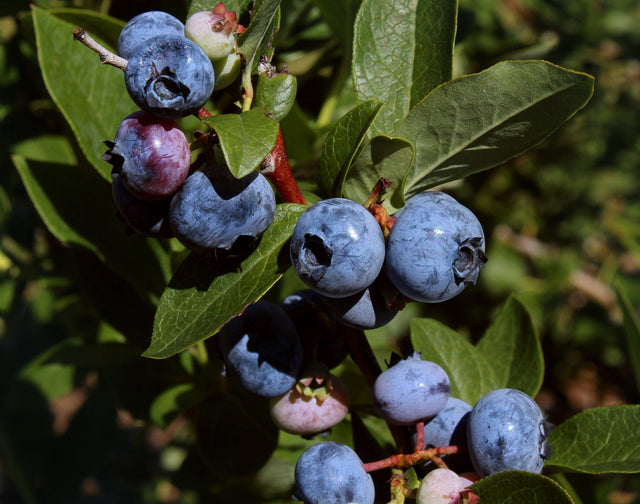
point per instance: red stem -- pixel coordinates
(276, 168)
(403, 461)
(203, 113)
(419, 437)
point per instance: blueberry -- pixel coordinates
(145, 26)
(261, 350)
(330, 472)
(447, 428)
(146, 217)
(364, 310)
(151, 156)
(435, 248)
(441, 486)
(322, 339)
(507, 430)
(169, 76)
(410, 391)
(213, 209)
(308, 411)
(214, 31)
(337, 247)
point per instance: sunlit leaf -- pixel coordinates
(479, 121)
(204, 294)
(596, 441)
(401, 51)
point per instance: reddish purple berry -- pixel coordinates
(150, 155)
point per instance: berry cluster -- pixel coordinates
(159, 192)
(504, 431)
(435, 247)
(284, 353)
(360, 265)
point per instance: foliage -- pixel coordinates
(111, 382)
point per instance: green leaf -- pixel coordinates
(344, 143)
(173, 401)
(246, 139)
(382, 157)
(50, 376)
(276, 95)
(518, 487)
(97, 25)
(476, 122)
(46, 148)
(470, 372)
(508, 355)
(203, 295)
(76, 205)
(631, 324)
(92, 97)
(511, 344)
(596, 441)
(402, 49)
(237, 6)
(256, 39)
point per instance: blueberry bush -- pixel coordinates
(258, 255)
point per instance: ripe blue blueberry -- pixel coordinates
(169, 76)
(447, 428)
(330, 472)
(145, 26)
(410, 391)
(507, 430)
(364, 310)
(261, 350)
(435, 248)
(146, 217)
(151, 156)
(337, 247)
(213, 209)
(322, 339)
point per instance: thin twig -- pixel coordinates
(106, 56)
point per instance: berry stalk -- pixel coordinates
(404, 460)
(276, 168)
(419, 437)
(106, 56)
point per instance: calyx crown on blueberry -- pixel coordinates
(337, 247)
(169, 76)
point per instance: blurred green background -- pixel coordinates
(562, 225)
